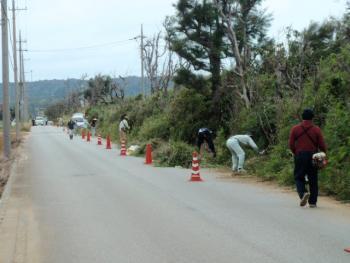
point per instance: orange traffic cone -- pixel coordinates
(347, 250)
(83, 134)
(195, 176)
(148, 154)
(108, 143)
(123, 148)
(88, 139)
(99, 140)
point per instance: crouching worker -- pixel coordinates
(238, 155)
(205, 136)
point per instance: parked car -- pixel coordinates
(39, 121)
(80, 121)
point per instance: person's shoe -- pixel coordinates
(241, 171)
(312, 206)
(304, 200)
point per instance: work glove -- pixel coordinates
(262, 152)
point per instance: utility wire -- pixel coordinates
(80, 48)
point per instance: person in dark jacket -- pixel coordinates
(71, 124)
(306, 139)
(205, 135)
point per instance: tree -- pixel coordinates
(73, 101)
(245, 27)
(196, 34)
(104, 89)
(56, 110)
(159, 64)
(297, 61)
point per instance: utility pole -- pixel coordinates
(5, 81)
(142, 64)
(25, 97)
(20, 86)
(15, 69)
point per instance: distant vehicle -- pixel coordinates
(80, 121)
(78, 115)
(40, 121)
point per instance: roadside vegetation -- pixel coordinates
(263, 92)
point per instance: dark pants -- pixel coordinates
(204, 137)
(303, 166)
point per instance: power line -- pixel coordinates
(80, 48)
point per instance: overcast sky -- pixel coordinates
(69, 24)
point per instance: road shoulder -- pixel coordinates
(19, 238)
(225, 175)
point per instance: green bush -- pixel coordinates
(156, 145)
(336, 178)
(175, 154)
(223, 155)
(187, 113)
(156, 126)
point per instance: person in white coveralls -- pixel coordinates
(238, 155)
(123, 128)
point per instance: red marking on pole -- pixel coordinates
(347, 250)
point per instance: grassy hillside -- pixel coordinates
(45, 92)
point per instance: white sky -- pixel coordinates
(62, 24)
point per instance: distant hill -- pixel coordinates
(44, 92)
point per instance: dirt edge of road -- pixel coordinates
(225, 174)
(19, 231)
(6, 164)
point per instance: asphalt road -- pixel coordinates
(75, 202)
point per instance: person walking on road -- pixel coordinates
(93, 124)
(205, 136)
(71, 126)
(123, 128)
(304, 141)
(238, 154)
